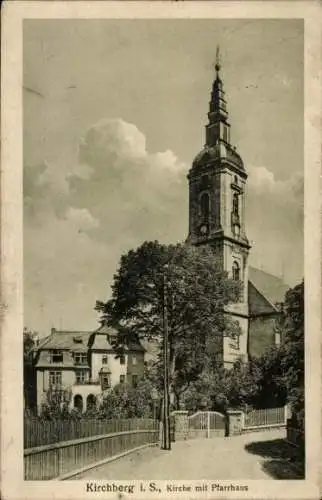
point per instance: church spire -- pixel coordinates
(218, 128)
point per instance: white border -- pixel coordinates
(11, 227)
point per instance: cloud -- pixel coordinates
(79, 220)
(275, 219)
(129, 190)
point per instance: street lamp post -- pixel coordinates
(166, 444)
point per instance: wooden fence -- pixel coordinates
(268, 417)
(295, 436)
(54, 460)
(44, 432)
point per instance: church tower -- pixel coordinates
(217, 182)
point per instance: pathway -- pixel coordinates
(249, 456)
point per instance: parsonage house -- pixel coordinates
(86, 364)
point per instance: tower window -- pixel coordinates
(225, 134)
(236, 271)
(204, 181)
(204, 205)
(235, 204)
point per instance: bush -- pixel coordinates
(125, 401)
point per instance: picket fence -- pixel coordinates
(44, 432)
(264, 418)
(73, 445)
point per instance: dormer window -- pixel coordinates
(56, 356)
(78, 340)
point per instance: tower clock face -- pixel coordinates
(203, 229)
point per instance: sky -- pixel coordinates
(113, 115)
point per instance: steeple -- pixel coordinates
(218, 128)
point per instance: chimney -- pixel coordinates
(53, 330)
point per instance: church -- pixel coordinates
(217, 200)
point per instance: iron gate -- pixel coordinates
(206, 424)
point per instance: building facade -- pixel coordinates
(83, 366)
(217, 201)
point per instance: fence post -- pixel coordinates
(242, 420)
(208, 424)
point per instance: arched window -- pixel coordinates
(204, 205)
(91, 402)
(78, 402)
(236, 271)
(235, 204)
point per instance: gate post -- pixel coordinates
(235, 419)
(208, 424)
(181, 424)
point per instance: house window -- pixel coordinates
(236, 271)
(134, 359)
(134, 380)
(204, 205)
(122, 359)
(104, 360)
(55, 378)
(234, 343)
(111, 339)
(122, 379)
(56, 356)
(81, 376)
(105, 381)
(235, 204)
(80, 358)
(277, 338)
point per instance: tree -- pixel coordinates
(196, 291)
(56, 405)
(269, 376)
(292, 327)
(29, 374)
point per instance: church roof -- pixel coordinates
(220, 151)
(271, 287)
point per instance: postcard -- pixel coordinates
(160, 241)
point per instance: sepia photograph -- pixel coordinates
(163, 335)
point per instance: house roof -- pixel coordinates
(63, 339)
(101, 340)
(271, 287)
(105, 369)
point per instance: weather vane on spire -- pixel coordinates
(217, 64)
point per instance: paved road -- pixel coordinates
(216, 458)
